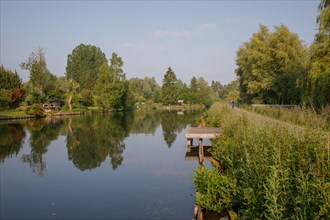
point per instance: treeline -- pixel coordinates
(277, 68)
(92, 80)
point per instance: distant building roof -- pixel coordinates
(56, 100)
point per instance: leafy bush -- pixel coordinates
(35, 110)
(214, 190)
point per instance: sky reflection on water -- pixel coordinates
(127, 165)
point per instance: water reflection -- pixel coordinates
(43, 131)
(90, 139)
(12, 138)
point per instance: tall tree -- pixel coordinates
(112, 88)
(217, 88)
(83, 65)
(11, 92)
(205, 95)
(145, 89)
(40, 76)
(270, 67)
(169, 87)
(193, 84)
(36, 64)
(318, 83)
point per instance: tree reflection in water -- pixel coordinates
(90, 139)
(12, 138)
(173, 123)
(43, 131)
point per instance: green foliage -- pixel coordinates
(317, 85)
(5, 97)
(214, 190)
(11, 91)
(9, 79)
(83, 65)
(34, 94)
(204, 93)
(278, 174)
(112, 88)
(87, 97)
(35, 109)
(40, 78)
(169, 89)
(145, 89)
(270, 67)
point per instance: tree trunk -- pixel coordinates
(69, 101)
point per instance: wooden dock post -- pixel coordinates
(190, 141)
(201, 151)
(200, 133)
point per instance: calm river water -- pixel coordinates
(116, 166)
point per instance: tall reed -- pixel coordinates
(266, 171)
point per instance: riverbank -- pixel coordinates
(20, 114)
(267, 168)
(14, 114)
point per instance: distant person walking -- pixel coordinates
(232, 103)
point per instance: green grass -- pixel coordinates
(12, 113)
(303, 117)
(265, 171)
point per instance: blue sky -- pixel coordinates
(194, 38)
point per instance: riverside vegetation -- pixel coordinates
(273, 67)
(266, 170)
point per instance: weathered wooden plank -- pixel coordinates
(204, 132)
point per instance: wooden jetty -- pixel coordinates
(199, 152)
(200, 133)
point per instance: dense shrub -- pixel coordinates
(35, 110)
(267, 171)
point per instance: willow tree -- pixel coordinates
(318, 86)
(271, 66)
